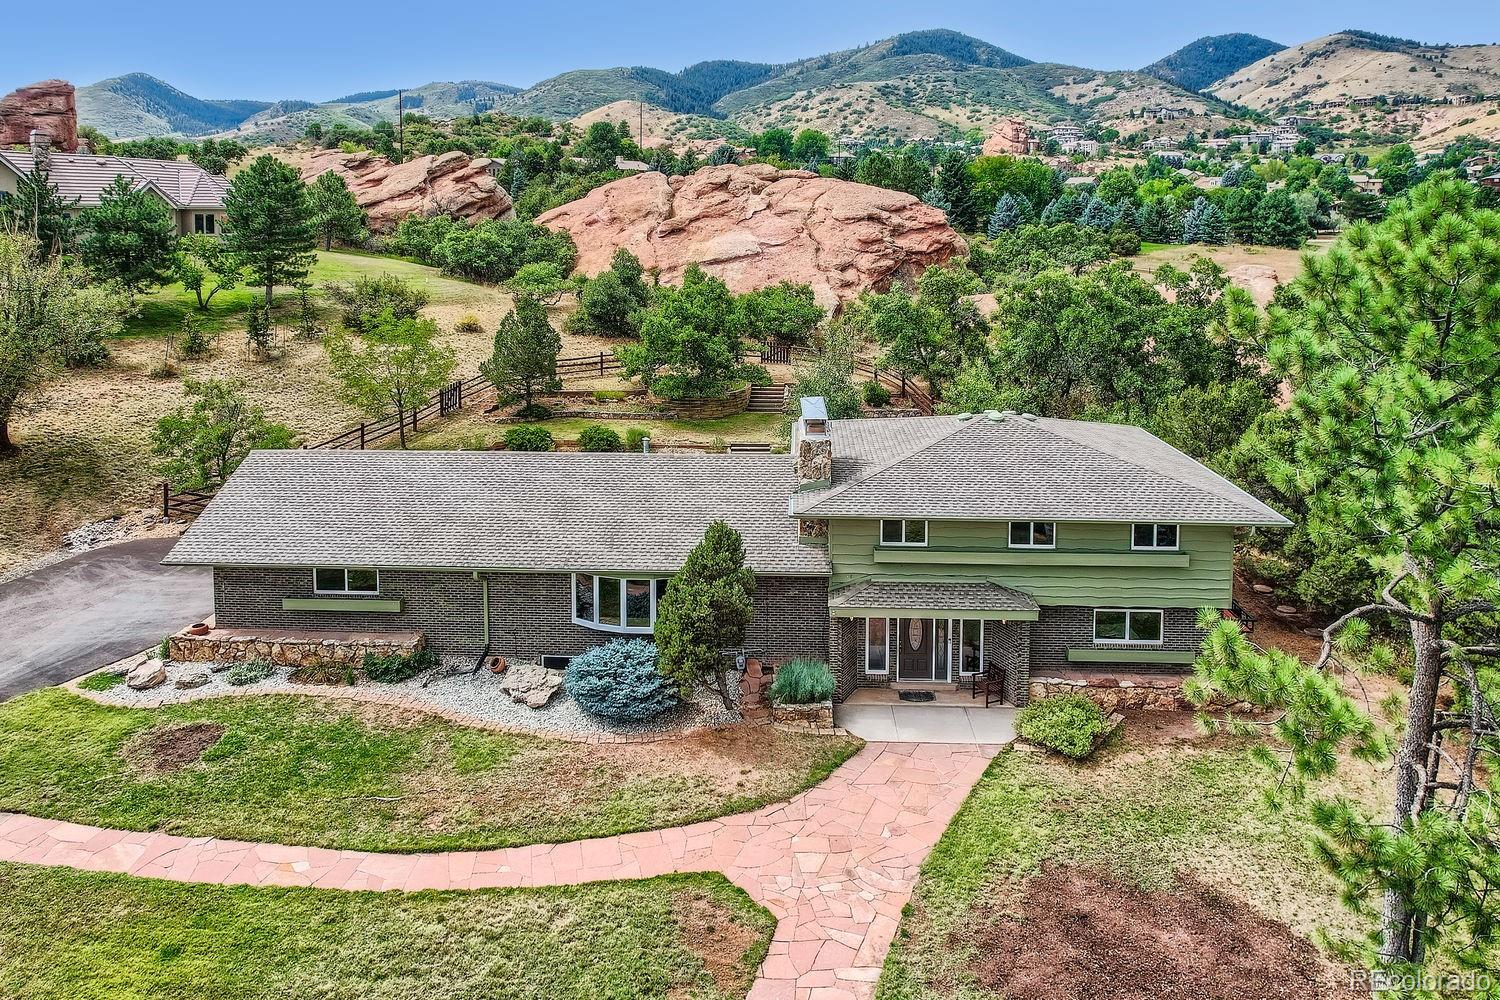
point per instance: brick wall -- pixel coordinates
(531, 614)
(444, 607)
(1059, 628)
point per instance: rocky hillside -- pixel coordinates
(1356, 64)
(136, 104)
(1211, 58)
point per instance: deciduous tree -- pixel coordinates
(395, 365)
(202, 442)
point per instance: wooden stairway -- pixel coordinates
(768, 398)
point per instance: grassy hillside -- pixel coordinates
(1211, 58)
(136, 104)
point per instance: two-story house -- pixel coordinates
(904, 550)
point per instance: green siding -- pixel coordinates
(1070, 574)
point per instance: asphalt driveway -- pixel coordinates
(67, 618)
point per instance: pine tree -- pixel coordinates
(1011, 211)
(129, 237)
(38, 209)
(1204, 223)
(957, 186)
(269, 223)
(1391, 346)
(517, 182)
(336, 214)
(705, 612)
(1278, 222)
(1098, 214)
(1066, 207)
(1159, 221)
(524, 359)
(934, 197)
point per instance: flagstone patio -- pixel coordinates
(835, 864)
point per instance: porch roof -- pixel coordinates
(911, 599)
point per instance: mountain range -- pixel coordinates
(920, 84)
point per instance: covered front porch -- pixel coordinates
(955, 640)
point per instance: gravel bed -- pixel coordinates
(475, 695)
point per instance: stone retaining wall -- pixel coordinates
(707, 408)
(1114, 694)
(814, 718)
(303, 649)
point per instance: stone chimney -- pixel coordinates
(812, 445)
(41, 149)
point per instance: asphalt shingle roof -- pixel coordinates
(896, 595)
(85, 176)
(497, 511)
(1020, 467)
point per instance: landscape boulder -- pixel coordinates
(452, 184)
(49, 107)
(755, 226)
(531, 684)
(193, 679)
(146, 675)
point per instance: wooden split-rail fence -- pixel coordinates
(187, 503)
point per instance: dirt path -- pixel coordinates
(836, 864)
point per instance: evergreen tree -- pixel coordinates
(722, 154)
(934, 197)
(524, 359)
(517, 182)
(1066, 207)
(1098, 214)
(1159, 221)
(1204, 223)
(1239, 214)
(705, 612)
(129, 237)
(957, 187)
(1391, 345)
(336, 215)
(38, 210)
(1011, 211)
(269, 223)
(1278, 221)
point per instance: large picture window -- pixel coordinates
(616, 603)
(338, 580)
(1033, 534)
(1127, 625)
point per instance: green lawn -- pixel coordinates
(343, 775)
(70, 935)
(162, 310)
(1147, 816)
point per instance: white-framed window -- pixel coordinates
(1033, 534)
(877, 646)
(341, 580)
(617, 603)
(203, 222)
(1153, 537)
(1141, 626)
(894, 532)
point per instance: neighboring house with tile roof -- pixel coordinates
(195, 196)
(906, 550)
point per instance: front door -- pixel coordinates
(922, 649)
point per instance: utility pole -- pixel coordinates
(640, 127)
(401, 123)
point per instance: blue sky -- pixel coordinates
(315, 50)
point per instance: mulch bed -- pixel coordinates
(171, 748)
(1085, 935)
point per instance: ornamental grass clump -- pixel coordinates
(249, 672)
(393, 668)
(1069, 724)
(803, 682)
(620, 682)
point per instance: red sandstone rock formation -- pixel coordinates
(755, 226)
(47, 107)
(450, 184)
(1012, 138)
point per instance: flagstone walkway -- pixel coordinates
(835, 864)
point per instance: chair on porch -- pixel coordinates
(989, 682)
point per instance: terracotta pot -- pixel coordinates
(199, 628)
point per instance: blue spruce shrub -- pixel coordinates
(619, 682)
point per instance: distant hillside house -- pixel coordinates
(195, 196)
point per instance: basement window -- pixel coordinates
(1033, 534)
(331, 580)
